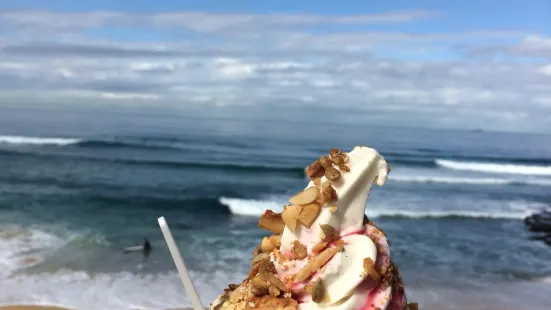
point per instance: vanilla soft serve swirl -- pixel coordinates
(350, 270)
(344, 273)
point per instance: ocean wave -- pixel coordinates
(465, 180)
(421, 157)
(495, 168)
(251, 207)
(542, 280)
(20, 140)
(119, 290)
(123, 142)
(22, 250)
(197, 206)
(20, 247)
(228, 166)
(113, 144)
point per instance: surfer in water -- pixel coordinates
(145, 248)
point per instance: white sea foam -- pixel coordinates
(495, 168)
(124, 290)
(507, 210)
(249, 206)
(468, 180)
(37, 140)
(21, 248)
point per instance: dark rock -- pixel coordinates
(541, 223)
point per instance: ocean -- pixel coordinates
(75, 191)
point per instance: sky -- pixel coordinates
(457, 64)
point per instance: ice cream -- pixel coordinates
(324, 253)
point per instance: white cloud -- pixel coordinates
(537, 45)
(148, 67)
(545, 70)
(276, 59)
(200, 21)
(544, 101)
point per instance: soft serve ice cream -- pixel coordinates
(325, 253)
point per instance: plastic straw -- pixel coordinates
(181, 266)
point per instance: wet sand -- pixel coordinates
(31, 308)
(23, 307)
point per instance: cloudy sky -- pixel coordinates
(464, 64)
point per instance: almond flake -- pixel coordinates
(254, 271)
(344, 167)
(325, 162)
(328, 194)
(332, 174)
(334, 153)
(274, 291)
(276, 240)
(290, 216)
(259, 282)
(260, 257)
(307, 196)
(318, 291)
(328, 232)
(274, 280)
(369, 268)
(315, 264)
(271, 221)
(309, 214)
(317, 181)
(266, 245)
(319, 247)
(299, 250)
(257, 291)
(315, 169)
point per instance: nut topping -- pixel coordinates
(315, 169)
(344, 167)
(267, 270)
(369, 268)
(318, 291)
(319, 247)
(309, 214)
(271, 221)
(307, 196)
(290, 216)
(328, 233)
(266, 245)
(274, 291)
(299, 250)
(325, 162)
(328, 194)
(260, 257)
(332, 174)
(315, 264)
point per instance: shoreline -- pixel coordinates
(31, 307)
(39, 307)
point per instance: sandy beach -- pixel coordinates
(23, 307)
(31, 308)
